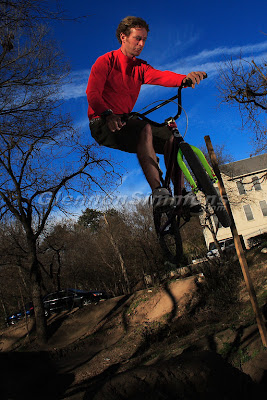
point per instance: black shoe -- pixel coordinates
(161, 199)
(190, 201)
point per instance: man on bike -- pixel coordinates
(113, 88)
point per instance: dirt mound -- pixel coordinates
(192, 375)
(168, 301)
(150, 344)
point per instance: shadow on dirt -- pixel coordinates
(153, 334)
(122, 307)
(31, 376)
(55, 325)
(174, 310)
(122, 301)
(93, 385)
(191, 376)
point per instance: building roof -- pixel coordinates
(244, 167)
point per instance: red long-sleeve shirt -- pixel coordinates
(115, 82)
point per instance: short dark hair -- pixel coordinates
(128, 23)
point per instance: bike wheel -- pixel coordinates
(205, 184)
(168, 231)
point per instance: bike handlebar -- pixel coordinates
(188, 83)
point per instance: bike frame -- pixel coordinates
(176, 152)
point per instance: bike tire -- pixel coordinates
(205, 184)
(170, 237)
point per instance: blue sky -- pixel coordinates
(184, 36)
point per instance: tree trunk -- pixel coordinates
(3, 303)
(36, 280)
(25, 314)
(117, 251)
(58, 271)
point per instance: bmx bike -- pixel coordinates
(196, 171)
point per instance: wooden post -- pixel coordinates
(238, 245)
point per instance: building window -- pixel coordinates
(256, 183)
(240, 187)
(263, 206)
(248, 212)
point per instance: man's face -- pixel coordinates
(133, 44)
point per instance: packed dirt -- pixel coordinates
(147, 345)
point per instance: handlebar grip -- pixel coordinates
(189, 81)
(125, 117)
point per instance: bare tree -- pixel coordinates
(244, 83)
(41, 155)
(222, 154)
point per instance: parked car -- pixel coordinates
(70, 298)
(227, 245)
(90, 296)
(257, 240)
(61, 300)
(29, 309)
(15, 317)
(12, 319)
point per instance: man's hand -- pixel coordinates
(195, 77)
(114, 122)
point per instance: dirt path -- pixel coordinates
(10, 337)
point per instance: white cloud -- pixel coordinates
(226, 51)
(202, 61)
(76, 86)
(82, 123)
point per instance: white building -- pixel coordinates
(246, 186)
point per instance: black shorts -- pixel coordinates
(127, 138)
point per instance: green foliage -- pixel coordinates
(90, 218)
(225, 350)
(136, 303)
(241, 357)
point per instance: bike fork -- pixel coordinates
(199, 154)
(204, 163)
